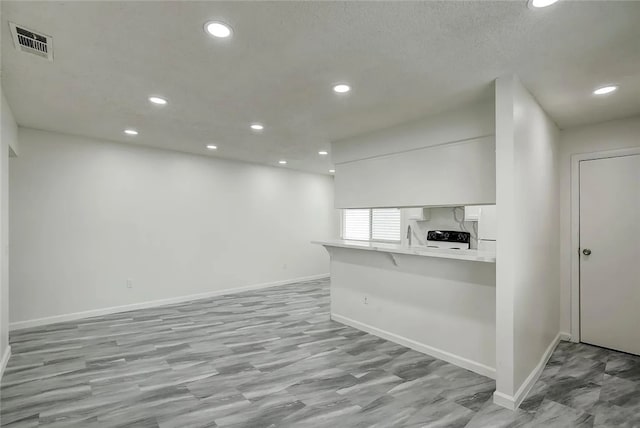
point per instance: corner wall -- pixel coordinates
(528, 250)
(612, 135)
(8, 141)
(87, 215)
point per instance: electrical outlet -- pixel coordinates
(284, 267)
(129, 283)
(366, 300)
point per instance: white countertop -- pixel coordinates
(444, 253)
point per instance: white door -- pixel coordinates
(610, 253)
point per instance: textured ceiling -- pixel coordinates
(404, 60)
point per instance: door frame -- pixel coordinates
(575, 227)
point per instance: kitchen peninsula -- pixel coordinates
(438, 301)
(424, 298)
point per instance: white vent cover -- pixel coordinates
(31, 42)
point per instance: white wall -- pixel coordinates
(446, 159)
(9, 127)
(86, 215)
(8, 140)
(448, 174)
(472, 121)
(616, 134)
(528, 250)
(443, 307)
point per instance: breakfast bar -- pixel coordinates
(420, 297)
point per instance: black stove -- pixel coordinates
(452, 239)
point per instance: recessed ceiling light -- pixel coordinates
(257, 126)
(212, 147)
(341, 88)
(605, 90)
(323, 153)
(332, 171)
(131, 132)
(158, 100)
(282, 162)
(218, 29)
(537, 4)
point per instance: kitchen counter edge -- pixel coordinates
(443, 253)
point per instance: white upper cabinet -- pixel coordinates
(472, 213)
(485, 215)
(487, 223)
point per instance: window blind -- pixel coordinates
(385, 224)
(357, 224)
(379, 224)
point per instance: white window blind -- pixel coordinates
(357, 224)
(385, 224)
(379, 224)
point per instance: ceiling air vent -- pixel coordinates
(31, 42)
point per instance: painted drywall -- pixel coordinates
(447, 159)
(468, 122)
(537, 296)
(528, 250)
(423, 302)
(505, 202)
(448, 174)
(8, 140)
(9, 127)
(613, 135)
(87, 215)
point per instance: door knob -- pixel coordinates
(586, 252)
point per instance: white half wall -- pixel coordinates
(606, 136)
(528, 249)
(88, 215)
(441, 307)
(8, 141)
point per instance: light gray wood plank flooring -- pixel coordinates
(273, 358)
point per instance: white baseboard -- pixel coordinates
(513, 402)
(565, 337)
(568, 337)
(19, 325)
(5, 360)
(457, 360)
(504, 400)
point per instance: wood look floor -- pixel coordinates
(273, 358)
